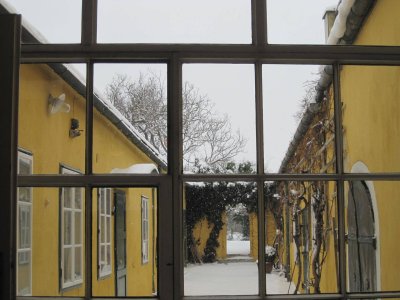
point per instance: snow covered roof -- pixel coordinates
(137, 169)
(76, 81)
(339, 27)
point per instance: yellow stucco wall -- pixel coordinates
(270, 232)
(382, 26)
(253, 235)
(47, 138)
(201, 232)
(371, 120)
(372, 93)
(138, 274)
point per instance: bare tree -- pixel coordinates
(208, 138)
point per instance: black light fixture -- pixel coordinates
(74, 130)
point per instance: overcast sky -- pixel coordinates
(231, 87)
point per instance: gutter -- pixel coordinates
(355, 19)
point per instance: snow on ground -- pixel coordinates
(238, 247)
(234, 278)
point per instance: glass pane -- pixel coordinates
(108, 230)
(371, 112)
(218, 119)
(51, 104)
(78, 263)
(103, 254)
(53, 21)
(67, 271)
(24, 279)
(102, 230)
(24, 167)
(108, 202)
(24, 194)
(372, 230)
(78, 198)
(108, 255)
(176, 21)
(67, 192)
(333, 22)
(67, 227)
(298, 119)
(220, 226)
(102, 200)
(24, 226)
(78, 227)
(117, 251)
(301, 237)
(130, 119)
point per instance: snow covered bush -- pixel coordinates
(270, 253)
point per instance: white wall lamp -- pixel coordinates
(57, 104)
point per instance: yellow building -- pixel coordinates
(50, 227)
(370, 117)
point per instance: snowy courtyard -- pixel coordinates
(237, 275)
(233, 278)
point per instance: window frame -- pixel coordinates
(27, 158)
(107, 245)
(170, 185)
(73, 246)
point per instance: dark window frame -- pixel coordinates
(170, 184)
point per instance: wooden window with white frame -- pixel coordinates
(145, 230)
(24, 228)
(71, 235)
(104, 232)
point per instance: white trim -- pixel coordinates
(104, 266)
(28, 204)
(360, 167)
(73, 246)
